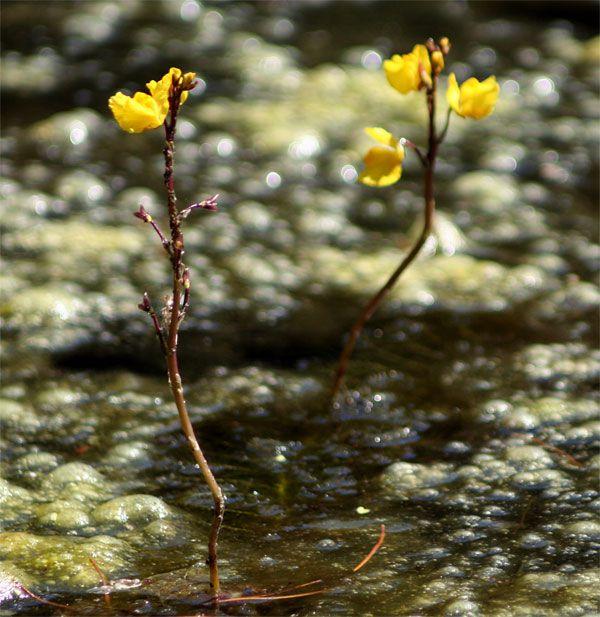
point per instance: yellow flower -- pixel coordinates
(142, 111)
(383, 164)
(473, 99)
(136, 114)
(405, 73)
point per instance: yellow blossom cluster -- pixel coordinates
(415, 71)
(142, 112)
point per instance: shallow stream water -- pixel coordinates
(470, 425)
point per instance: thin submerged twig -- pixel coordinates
(104, 579)
(285, 594)
(559, 451)
(42, 600)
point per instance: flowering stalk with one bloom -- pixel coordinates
(143, 112)
(136, 114)
(417, 70)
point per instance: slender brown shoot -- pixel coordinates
(104, 579)
(556, 450)
(372, 552)
(42, 600)
(285, 594)
(267, 598)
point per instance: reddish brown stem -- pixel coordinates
(41, 600)
(103, 579)
(416, 149)
(180, 287)
(286, 594)
(429, 201)
(144, 216)
(146, 306)
(161, 236)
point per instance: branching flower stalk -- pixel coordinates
(137, 114)
(418, 70)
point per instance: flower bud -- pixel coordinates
(425, 77)
(437, 62)
(445, 45)
(143, 215)
(188, 81)
(210, 204)
(145, 305)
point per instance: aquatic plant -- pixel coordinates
(137, 114)
(418, 70)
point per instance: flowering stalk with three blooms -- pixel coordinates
(137, 114)
(417, 70)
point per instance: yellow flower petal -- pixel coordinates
(382, 166)
(382, 136)
(422, 55)
(404, 72)
(479, 98)
(136, 114)
(453, 93)
(474, 99)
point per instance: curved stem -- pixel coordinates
(215, 489)
(174, 321)
(417, 150)
(378, 298)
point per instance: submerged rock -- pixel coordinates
(402, 479)
(64, 562)
(131, 510)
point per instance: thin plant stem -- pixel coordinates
(144, 216)
(162, 238)
(175, 312)
(286, 593)
(146, 306)
(104, 580)
(416, 149)
(428, 161)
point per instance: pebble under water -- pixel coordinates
(470, 427)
